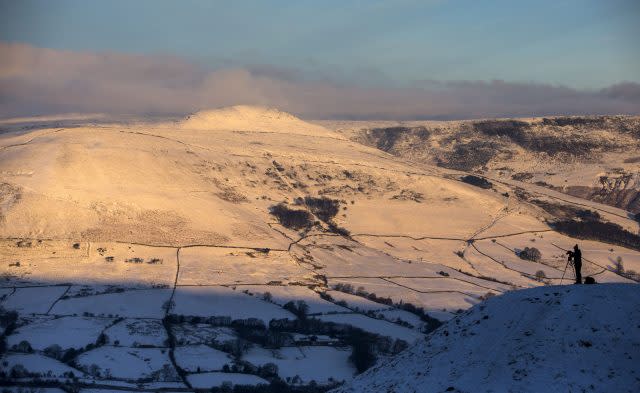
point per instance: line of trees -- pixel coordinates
(607, 232)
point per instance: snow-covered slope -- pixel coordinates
(550, 339)
(253, 118)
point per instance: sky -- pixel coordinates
(478, 55)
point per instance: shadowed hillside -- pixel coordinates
(551, 339)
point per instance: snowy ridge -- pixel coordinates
(253, 118)
(547, 339)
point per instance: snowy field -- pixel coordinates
(222, 301)
(197, 358)
(35, 363)
(125, 363)
(137, 332)
(35, 300)
(141, 303)
(189, 334)
(78, 332)
(281, 295)
(376, 326)
(303, 363)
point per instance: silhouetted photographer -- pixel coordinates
(575, 258)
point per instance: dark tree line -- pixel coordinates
(607, 232)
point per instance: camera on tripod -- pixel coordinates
(569, 255)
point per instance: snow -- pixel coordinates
(552, 339)
(304, 362)
(419, 251)
(373, 325)
(222, 301)
(357, 302)
(137, 332)
(209, 380)
(94, 263)
(441, 284)
(253, 118)
(5, 293)
(198, 192)
(162, 385)
(109, 382)
(36, 363)
(144, 303)
(201, 333)
(201, 358)
(33, 300)
(406, 316)
(207, 266)
(504, 251)
(126, 363)
(437, 304)
(107, 391)
(67, 332)
(486, 266)
(20, 389)
(284, 294)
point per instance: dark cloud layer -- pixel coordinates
(43, 81)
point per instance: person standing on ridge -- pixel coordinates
(577, 263)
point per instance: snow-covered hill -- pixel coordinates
(551, 339)
(253, 118)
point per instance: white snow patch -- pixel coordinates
(145, 303)
(126, 363)
(373, 325)
(201, 358)
(40, 364)
(137, 332)
(222, 301)
(67, 332)
(35, 300)
(305, 362)
(357, 303)
(292, 293)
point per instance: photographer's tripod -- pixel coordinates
(569, 261)
(565, 270)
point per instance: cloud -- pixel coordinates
(44, 81)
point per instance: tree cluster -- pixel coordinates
(530, 254)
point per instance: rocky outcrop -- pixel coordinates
(529, 150)
(621, 191)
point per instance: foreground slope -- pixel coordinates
(552, 339)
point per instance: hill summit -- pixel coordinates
(547, 339)
(253, 118)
